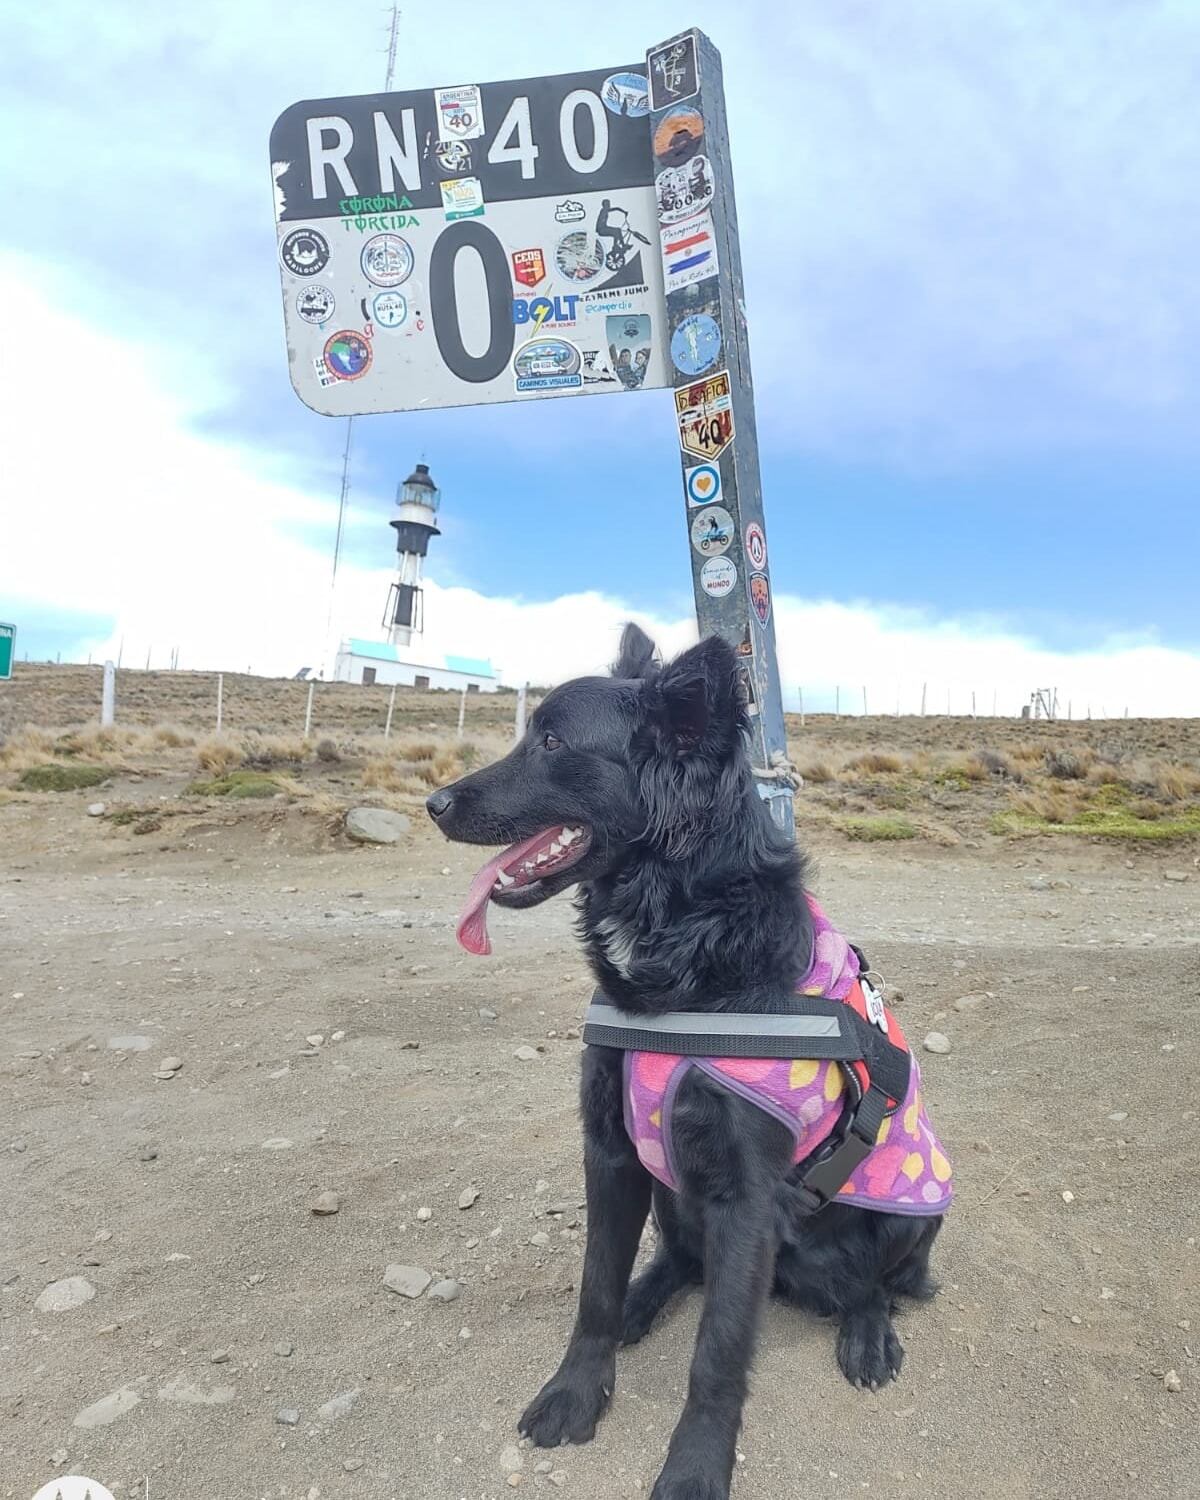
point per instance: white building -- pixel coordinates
(376, 662)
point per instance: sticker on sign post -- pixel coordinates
(678, 135)
(529, 267)
(673, 73)
(704, 412)
(460, 111)
(717, 577)
(548, 365)
(756, 545)
(462, 198)
(712, 531)
(702, 483)
(760, 597)
(696, 344)
(689, 251)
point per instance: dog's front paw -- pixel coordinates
(567, 1408)
(868, 1351)
(683, 1479)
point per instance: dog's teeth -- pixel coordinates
(503, 879)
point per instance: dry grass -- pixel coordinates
(219, 755)
(817, 773)
(875, 763)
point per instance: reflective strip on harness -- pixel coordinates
(817, 1032)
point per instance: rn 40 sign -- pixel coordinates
(474, 243)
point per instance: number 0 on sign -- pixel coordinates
(472, 243)
(705, 413)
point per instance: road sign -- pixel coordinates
(714, 395)
(545, 237)
(475, 243)
(8, 650)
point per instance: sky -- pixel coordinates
(968, 235)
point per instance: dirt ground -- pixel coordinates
(1070, 1264)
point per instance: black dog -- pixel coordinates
(637, 788)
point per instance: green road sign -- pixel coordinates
(8, 650)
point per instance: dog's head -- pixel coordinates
(651, 756)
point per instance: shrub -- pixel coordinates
(62, 778)
(327, 752)
(235, 784)
(883, 827)
(1066, 765)
(817, 773)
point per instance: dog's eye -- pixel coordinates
(550, 742)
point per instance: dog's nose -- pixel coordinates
(438, 803)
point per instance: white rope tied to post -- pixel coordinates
(781, 771)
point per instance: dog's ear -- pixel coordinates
(635, 657)
(696, 701)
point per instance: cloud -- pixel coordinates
(126, 514)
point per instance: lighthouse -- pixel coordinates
(417, 501)
(404, 658)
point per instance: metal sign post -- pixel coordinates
(545, 237)
(709, 352)
(8, 650)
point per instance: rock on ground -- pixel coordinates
(409, 1281)
(62, 1296)
(108, 1408)
(376, 825)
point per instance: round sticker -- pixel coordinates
(304, 252)
(717, 577)
(347, 355)
(696, 344)
(315, 304)
(756, 545)
(579, 256)
(678, 135)
(626, 94)
(712, 531)
(389, 309)
(703, 484)
(387, 259)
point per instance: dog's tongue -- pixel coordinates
(472, 924)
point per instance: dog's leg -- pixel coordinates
(868, 1350)
(673, 1267)
(569, 1405)
(730, 1157)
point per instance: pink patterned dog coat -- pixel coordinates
(906, 1173)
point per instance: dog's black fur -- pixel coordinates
(689, 899)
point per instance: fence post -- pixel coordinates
(220, 698)
(520, 725)
(108, 697)
(924, 685)
(972, 702)
(462, 712)
(312, 687)
(865, 715)
(801, 708)
(387, 728)
(837, 702)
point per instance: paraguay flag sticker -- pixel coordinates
(703, 484)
